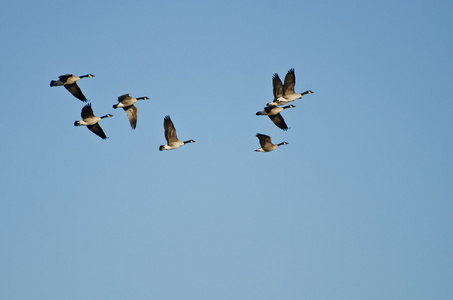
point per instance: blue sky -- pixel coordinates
(358, 205)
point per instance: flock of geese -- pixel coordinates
(283, 94)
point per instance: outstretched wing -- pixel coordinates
(279, 121)
(122, 97)
(74, 89)
(96, 129)
(65, 77)
(131, 115)
(87, 111)
(278, 86)
(290, 82)
(264, 139)
(170, 131)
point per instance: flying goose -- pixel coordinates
(127, 103)
(266, 143)
(170, 136)
(273, 112)
(288, 93)
(91, 121)
(69, 82)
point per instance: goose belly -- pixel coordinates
(174, 145)
(126, 103)
(71, 80)
(292, 97)
(275, 111)
(270, 148)
(277, 102)
(89, 121)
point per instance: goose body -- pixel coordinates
(69, 82)
(284, 94)
(266, 143)
(91, 121)
(273, 112)
(170, 135)
(127, 103)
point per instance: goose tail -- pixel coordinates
(56, 83)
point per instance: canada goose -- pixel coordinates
(273, 112)
(288, 91)
(266, 143)
(170, 136)
(91, 121)
(69, 82)
(127, 103)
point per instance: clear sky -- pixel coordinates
(358, 205)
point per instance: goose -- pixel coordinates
(273, 112)
(69, 82)
(91, 121)
(127, 103)
(288, 94)
(266, 143)
(170, 136)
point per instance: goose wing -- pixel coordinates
(96, 129)
(265, 140)
(279, 121)
(65, 77)
(170, 131)
(278, 86)
(122, 97)
(131, 115)
(290, 82)
(87, 111)
(74, 89)
(270, 109)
